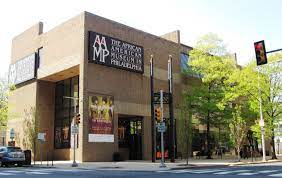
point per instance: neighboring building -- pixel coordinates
(105, 64)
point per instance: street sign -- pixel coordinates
(12, 134)
(41, 137)
(157, 98)
(161, 127)
(74, 129)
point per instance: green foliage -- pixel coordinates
(4, 93)
(209, 60)
(246, 82)
(185, 131)
(29, 128)
(214, 64)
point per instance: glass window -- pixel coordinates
(64, 111)
(184, 65)
(184, 59)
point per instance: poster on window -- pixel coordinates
(101, 114)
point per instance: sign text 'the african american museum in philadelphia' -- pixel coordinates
(115, 53)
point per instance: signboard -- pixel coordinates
(12, 134)
(161, 127)
(23, 70)
(41, 137)
(101, 115)
(11, 143)
(74, 129)
(116, 53)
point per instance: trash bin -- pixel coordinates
(116, 156)
(27, 154)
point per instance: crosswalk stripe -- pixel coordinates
(268, 171)
(276, 175)
(38, 173)
(197, 171)
(6, 174)
(14, 171)
(247, 173)
(230, 172)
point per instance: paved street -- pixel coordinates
(266, 170)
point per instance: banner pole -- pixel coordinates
(153, 128)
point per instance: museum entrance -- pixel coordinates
(130, 137)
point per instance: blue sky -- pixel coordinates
(238, 22)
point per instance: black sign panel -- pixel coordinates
(115, 53)
(23, 70)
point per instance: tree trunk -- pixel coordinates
(208, 137)
(238, 154)
(273, 146)
(187, 142)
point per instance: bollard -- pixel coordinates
(52, 158)
(47, 159)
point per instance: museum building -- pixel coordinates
(100, 69)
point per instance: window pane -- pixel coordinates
(184, 62)
(64, 111)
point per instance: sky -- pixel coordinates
(239, 23)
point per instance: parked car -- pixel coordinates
(11, 156)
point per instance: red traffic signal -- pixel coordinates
(158, 114)
(260, 53)
(77, 119)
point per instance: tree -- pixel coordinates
(185, 133)
(270, 88)
(213, 64)
(4, 93)
(29, 128)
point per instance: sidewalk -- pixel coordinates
(149, 166)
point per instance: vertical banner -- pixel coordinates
(101, 115)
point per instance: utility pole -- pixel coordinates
(74, 99)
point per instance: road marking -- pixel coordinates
(247, 173)
(276, 175)
(38, 173)
(207, 171)
(183, 171)
(268, 171)
(230, 172)
(14, 171)
(6, 174)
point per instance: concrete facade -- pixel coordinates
(64, 55)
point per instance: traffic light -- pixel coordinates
(260, 53)
(158, 114)
(77, 119)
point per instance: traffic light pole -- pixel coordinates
(74, 99)
(261, 122)
(273, 51)
(162, 133)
